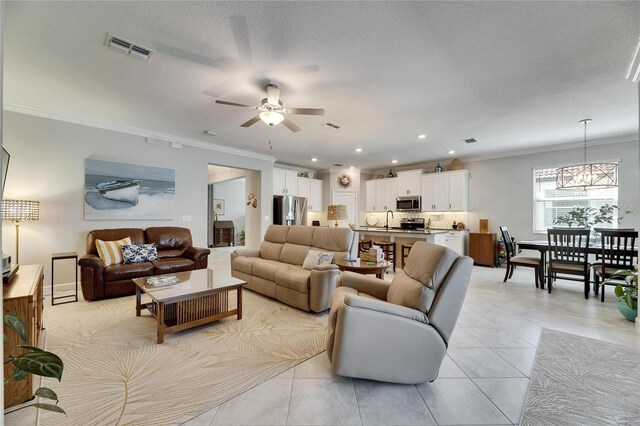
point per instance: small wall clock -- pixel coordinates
(344, 181)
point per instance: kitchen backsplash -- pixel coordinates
(438, 220)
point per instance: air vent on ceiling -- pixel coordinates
(338, 165)
(128, 48)
(331, 126)
(471, 140)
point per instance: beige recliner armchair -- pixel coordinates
(398, 332)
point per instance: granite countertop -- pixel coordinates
(391, 230)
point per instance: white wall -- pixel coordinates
(232, 192)
(501, 190)
(47, 164)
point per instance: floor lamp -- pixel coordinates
(19, 211)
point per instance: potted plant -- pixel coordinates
(627, 294)
(588, 217)
(241, 236)
(455, 225)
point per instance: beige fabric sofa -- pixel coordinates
(398, 332)
(275, 270)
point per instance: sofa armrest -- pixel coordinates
(385, 308)
(326, 267)
(322, 284)
(199, 255)
(366, 284)
(91, 277)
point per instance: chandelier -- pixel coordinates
(587, 175)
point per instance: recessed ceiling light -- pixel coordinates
(358, 149)
(422, 136)
(314, 159)
(452, 152)
(394, 161)
(351, 167)
(209, 132)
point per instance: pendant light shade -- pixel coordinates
(587, 175)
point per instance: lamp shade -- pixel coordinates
(20, 210)
(337, 212)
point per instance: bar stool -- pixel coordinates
(389, 250)
(364, 245)
(406, 248)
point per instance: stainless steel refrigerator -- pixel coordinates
(289, 210)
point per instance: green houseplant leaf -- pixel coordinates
(15, 323)
(48, 407)
(41, 363)
(47, 393)
(19, 374)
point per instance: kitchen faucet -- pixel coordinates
(386, 224)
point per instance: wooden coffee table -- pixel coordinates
(364, 267)
(199, 297)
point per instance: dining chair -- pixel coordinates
(514, 260)
(568, 256)
(618, 252)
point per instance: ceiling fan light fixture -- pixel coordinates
(271, 118)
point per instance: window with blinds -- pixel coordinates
(549, 202)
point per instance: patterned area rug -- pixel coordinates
(581, 381)
(115, 373)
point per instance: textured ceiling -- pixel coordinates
(514, 75)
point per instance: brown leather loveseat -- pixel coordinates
(175, 254)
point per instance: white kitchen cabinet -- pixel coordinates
(304, 188)
(458, 241)
(458, 191)
(409, 182)
(370, 195)
(315, 195)
(381, 194)
(386, 194)
(285, 182)
(447, 191)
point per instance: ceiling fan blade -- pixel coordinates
(218, 101)
(291, 125)
(240, 31)
(223, 88)
(251, 122)
(306, 111)
(273, 94)
(227, 65)
(295, 70)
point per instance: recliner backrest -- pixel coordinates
(417, 285)
(137, 237)
(274, 239)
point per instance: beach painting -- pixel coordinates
(119, 191)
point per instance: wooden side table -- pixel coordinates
(223, 232)
(482, 248)
(62, 256)
(364, 267)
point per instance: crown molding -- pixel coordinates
(137, 131)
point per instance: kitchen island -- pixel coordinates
(396, 234)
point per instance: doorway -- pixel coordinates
(233, 216)
(349, 199)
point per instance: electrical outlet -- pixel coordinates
(186, 218)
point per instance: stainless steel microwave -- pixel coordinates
(412, 203)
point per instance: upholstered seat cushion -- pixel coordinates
(267, 269)
(568, 268)
(243, 264)
(607, 271)
(126, 271)
(294, 277)
(523, 260)
(172, 264)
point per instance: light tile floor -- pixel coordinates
(483, 379)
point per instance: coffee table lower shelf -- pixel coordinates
(190, 312)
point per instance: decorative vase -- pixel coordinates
(626, 311)
(438, 168)
(390, 174)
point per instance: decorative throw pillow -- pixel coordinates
(110, 252)
(134, 253)
(315, 258)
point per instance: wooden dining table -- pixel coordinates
(543, 247)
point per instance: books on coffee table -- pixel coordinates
(163, 280)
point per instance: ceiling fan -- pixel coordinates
(272, 112)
